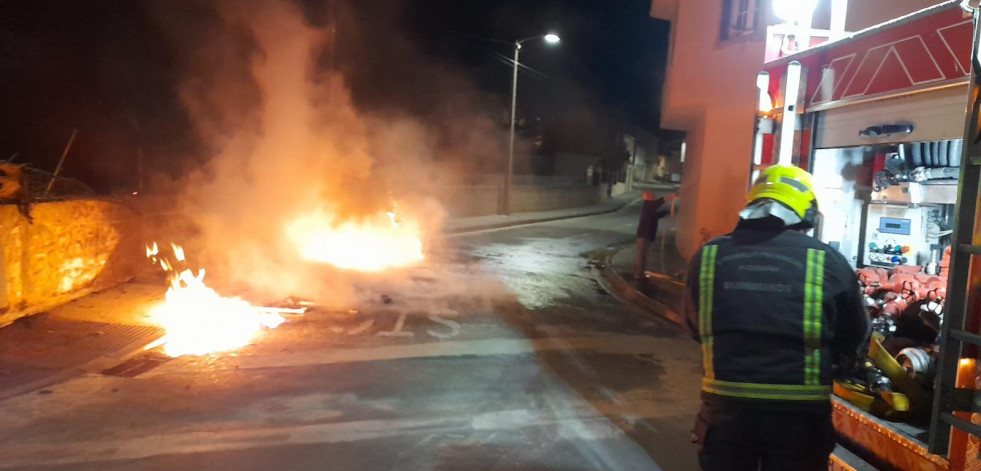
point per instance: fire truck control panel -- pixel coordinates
(900, 234)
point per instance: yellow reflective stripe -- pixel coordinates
(818, 315)
(787, 392)
(813, 313)
(706, 289)
(808, 295)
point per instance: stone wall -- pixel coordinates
(66, 250)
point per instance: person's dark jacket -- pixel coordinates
(650, 214)
(784, 309)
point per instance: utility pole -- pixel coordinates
(508, 176)
(514, 107)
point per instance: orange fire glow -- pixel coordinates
(372, 244)
(198, 320)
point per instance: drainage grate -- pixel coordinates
(40, 348)
(138, 365)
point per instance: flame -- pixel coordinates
(198, 320)
(371, 244)
(178, 252)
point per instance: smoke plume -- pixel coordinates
(286, 143)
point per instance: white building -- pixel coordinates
(717, 48)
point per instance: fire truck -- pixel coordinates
(887, 121)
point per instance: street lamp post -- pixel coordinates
(551, 39)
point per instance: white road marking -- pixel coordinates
(577, 423)
(397, 331)
(361, 327)
(453, 326)
(610, 344)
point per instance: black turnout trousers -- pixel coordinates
(738, 438)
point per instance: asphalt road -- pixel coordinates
(502, 353)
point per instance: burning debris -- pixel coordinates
(373, 244)
(198, 320)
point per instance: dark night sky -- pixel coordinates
(103, 66)
(611, 51)
(610, 61)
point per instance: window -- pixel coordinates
(740, 18)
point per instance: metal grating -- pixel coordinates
(136, 366)
(40, 347)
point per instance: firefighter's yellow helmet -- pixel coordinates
(788, 185)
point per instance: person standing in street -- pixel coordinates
(650, 215)
(778, 313)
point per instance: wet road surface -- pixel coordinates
(502, 353)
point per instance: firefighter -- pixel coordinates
(650, 214)
(777, 313)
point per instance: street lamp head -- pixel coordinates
(552, 38)
(794, 11)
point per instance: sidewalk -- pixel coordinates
(658, 187)
(479, 223)
(661, 292)
(87, 335)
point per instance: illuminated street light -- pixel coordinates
(794, 11)
(798, 13)
(550, 38)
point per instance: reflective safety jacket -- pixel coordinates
(775, 311)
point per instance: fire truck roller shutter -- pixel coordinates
(936, 115)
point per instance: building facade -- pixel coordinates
(717, 49)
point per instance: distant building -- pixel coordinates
(717, 48)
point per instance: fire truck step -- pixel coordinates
(844, 460)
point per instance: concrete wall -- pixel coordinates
(532, 198)
(69, 250)
(471, 200)
(710, 92)
(485, 200)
